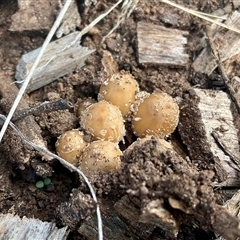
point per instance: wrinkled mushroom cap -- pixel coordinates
(155, 114)
(120, 91)
(100, 155)
(103, 121)
(69, 146)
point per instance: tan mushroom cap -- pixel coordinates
(100, 155)
(103, 121)
(120, 91)
(155, 114)
(69, 146)
(83, 104)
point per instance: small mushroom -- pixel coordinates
(83, 104)
(103, 121)
(69, 146)
(155, 114)
(100, 155)
(120, 90)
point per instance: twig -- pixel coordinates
(45, 107)
(28, 78)
(68, 166)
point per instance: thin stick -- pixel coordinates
(200, 15)
(68, 166)
(28, 78)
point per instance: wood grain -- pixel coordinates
(160, 45)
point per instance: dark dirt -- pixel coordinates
(18, 193)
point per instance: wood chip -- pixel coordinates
(14, 228)
(160, 45)
(55, 62)
(70, 21)
(209, 112)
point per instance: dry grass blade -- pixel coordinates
(200, 15)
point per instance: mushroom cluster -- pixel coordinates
(119, 100)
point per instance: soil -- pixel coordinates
(18, 192)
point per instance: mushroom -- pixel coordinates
(83, 104)
(69, 146)
(155, 114)
(100, 155)
(120, 90)
(103, 121)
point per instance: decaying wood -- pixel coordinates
(114, 225)
(12, 145)
(57, 61)
(40, 15)
(14, 228)
(78, 208)
(80, 211)
(226, 43)
(160, 45)
(206, 112)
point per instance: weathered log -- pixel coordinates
(14, 228)
(168, 190)
(160, 45)
(226, 42)
(58, 60)
(207, 128)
